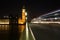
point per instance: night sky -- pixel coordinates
(34, 8)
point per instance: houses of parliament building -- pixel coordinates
(11, 26)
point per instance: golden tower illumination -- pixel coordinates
(22, 21)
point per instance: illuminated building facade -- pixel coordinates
(12, 25)
(8, 27)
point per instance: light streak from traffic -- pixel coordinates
(50, 13)
(27, 32)
(32, 33)
(46, 22)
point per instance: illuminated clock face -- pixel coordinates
(23, 10)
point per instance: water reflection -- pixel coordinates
(4, 32)
(21, 28)
(4, 27)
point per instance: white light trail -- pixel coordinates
(27, 35)
(46, 22)
(50, 13)
(32, 34)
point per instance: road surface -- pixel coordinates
(46, 31)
